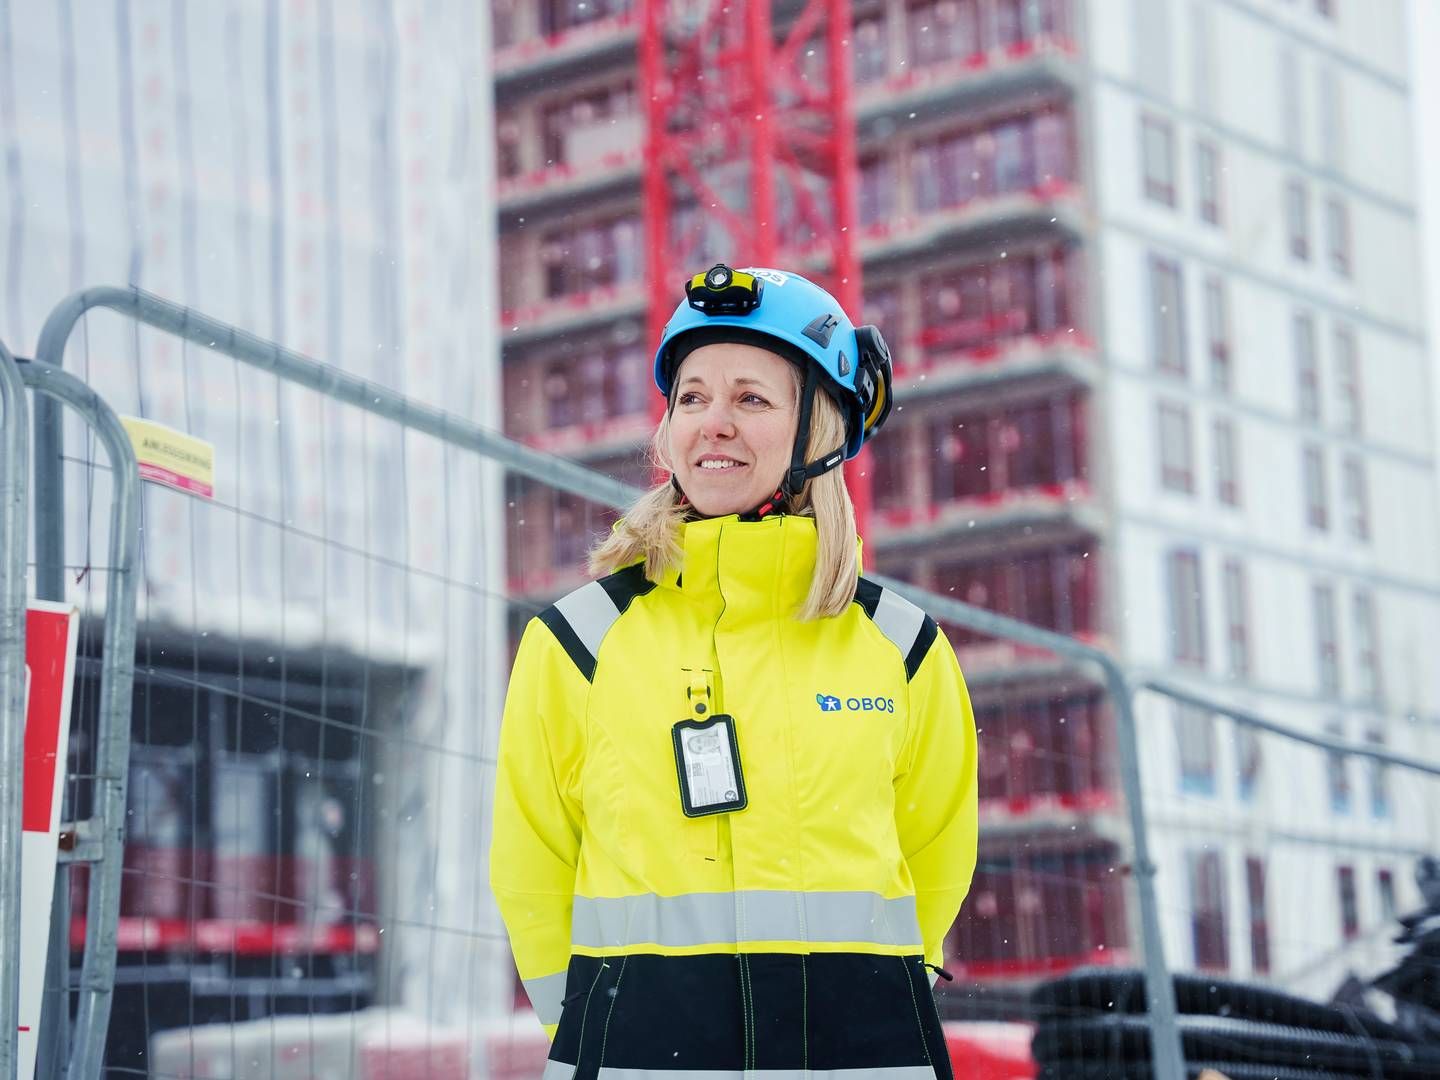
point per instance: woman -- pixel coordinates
(735, 807)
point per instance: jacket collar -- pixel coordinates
(765, 565)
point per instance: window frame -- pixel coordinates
(1314, 486)
(1176, 433)
(1159, 182)
(1168, 345)
(1208, 194)
(1297, 219)
(1185, 588)
(1227, 461)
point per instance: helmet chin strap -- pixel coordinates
(799, 472)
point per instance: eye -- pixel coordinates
(689, 397)
(754, 398)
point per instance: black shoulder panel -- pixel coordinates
(923, 641)
(569, 641)
(909, 629)
(626, 584)
(867, 595)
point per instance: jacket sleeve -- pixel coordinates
(935, 794)
(538, 815)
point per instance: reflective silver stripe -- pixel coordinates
(893, 1072)
(730, 918)
(590, 613)
(558, 1070)
(546, 994)
(899, 620)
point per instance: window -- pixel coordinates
(1349, 903)
(1337, 235)
(943, 30)
(1297, 219)
(983, 304)
(1337, 769)
(580, 130)
(1307, 368)
(1014, 156)
(889, 474)
(1217, 333)
(1207, 910)
(1385, 885)
(560, 15)
(1317, 513)
(581, 258)
(1054, 156)
(1227, 464)
(1355, 498)
(1247, 760)
(1157, 150)
(877, 191)
(1187, 609)
(1347, 380)
(872, 57)
(1327, 648)
(1195, 737)
(1378, 773)
(1367, 647)
(1259, 923)
(1332, 118)
(882, 308)
(1292, 123)
(1167, 316)
(1207, 180)
(1237, 620)
(1177, 469)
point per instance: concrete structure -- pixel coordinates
(1149, 273)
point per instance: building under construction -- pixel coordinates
(1119, 251)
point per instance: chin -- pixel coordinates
(719, 506)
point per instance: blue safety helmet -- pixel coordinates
(795, 318)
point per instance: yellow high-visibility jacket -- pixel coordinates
(793, 934)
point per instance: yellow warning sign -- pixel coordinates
(171, 457)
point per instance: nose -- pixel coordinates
(718, 421)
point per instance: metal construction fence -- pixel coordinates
(286, 719)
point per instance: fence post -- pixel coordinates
(48, 514)
(14, 540)
(1166, 1054)
(117, 676)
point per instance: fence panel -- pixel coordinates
(14, 465)
(313, 730)
(321, 653)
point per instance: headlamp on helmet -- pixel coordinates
(723, 291)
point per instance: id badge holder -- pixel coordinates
(707, 761)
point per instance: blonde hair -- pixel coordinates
(650, 530)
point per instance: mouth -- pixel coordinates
(718, 466)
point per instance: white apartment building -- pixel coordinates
(1269, 441)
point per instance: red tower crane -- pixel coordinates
(750, 150)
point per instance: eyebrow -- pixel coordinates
(742, 381)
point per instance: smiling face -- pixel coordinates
(732, 426)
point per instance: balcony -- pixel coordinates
(1036, 910)
(1048, 210)
(602, 438)
(573, 312)
(543, 61)
(1057, 510)
(1055, 360)
(1042, 65)
(562, 185)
